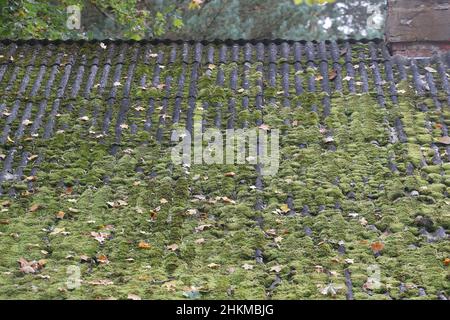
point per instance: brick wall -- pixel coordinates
(418, 28)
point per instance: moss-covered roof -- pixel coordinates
(87, 180)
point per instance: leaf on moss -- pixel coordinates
(377, 246)
(173, 247)
(144, 245)
(444, 140)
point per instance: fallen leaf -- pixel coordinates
(31, 178)
(276, 269)
(60, 214)
(377, 246)
(264, 127)
(444, 140)
(213, 265)
(6, 203)
(200, 241)
(191, 212)
(84, 258)
(430, 69)
(203, 227)
(330, 290)
(332, 75)
(228, 200)
(170, 285)
(58, 231)
(31, 266)
(103, 259)
(100, 236)
(278, 239)
(446, 261)
(35, 207)
(349, 261)
(229, 174)
(173, 247)
(133, 297)
(68, 191)
(144, 245)
(32, 157)
(163, 201)
(247, 266)
(318, 269)
(284, 208)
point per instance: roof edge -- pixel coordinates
(181, 41)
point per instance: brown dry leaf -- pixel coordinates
(69, 190)
(319, 77)
(35, 207)
(144, 245)
(60, 215)
(332, 75)
(132, 296)
(200, 241)
(173, 247)
(228, 200)
(163, 201)
(229, 174)
(84, 258)
(377, 246)
(446, 261)
(31, 266)
(4, 221)
(203, 227)
(102, 259)
(444, 140)
(31, 178)
(100, 236)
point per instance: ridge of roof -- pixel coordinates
(189, 41)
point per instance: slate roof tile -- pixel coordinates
(343, 155)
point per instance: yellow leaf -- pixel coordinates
(284, 208)
(144, 245)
